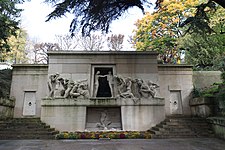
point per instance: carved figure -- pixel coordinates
(70, 86)
(121, 85)
(127, 93)
(66, 84)
(83, 90)
(152, 87)
(74, 93)
(96, 82)
(52, 84)
(104, 120)
(59, 89)
(147, 89)
(110, 81)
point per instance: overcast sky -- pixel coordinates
(34, 16)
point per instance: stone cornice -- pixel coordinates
(102, 53)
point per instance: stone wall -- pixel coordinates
(202, 79)
(176, 87)
(218, 124)
(202, 106)
(70, 114)
(26, 80)
(80, 65)
(6, 108)
(30, 82)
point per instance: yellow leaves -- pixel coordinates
(164, 26)
(162, 22)
(17, 46)
(153, 34)
(176, 20)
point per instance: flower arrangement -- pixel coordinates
(105, 134)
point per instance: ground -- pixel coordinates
(135, 144)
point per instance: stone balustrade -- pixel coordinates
(218, 124)
(6, 108)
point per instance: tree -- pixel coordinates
(92, 15)
(5, 82)
(200, 21)
(66, 42)
(203, 50)
(40, 52)
(9, 22)
(17, 53)
(115, 42)
(158, 31)
(91, 43)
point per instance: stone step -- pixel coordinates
(22, 137)
(171, 136)
(186, 119)
(180, 127)
(28, 132)
(22, 120)
(188, 123)
(28, 128)
(21, 126)
(173, 127)
(25, 128)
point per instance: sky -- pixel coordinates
(35, 13)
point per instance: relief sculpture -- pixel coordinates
(135, 88)
(59, 87)
(119, 87)
(104, 121)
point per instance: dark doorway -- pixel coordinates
(103, 88)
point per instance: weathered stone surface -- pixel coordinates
(202, 106)
(218, 124)
(6, 108)
(103, 118)
(178, 79)
(143, 106)
(202, 79)
(47, 102)
(28, 78)
(69, 114)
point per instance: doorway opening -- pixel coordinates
(103, 85)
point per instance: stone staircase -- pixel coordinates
(182, 127)
(25, 128)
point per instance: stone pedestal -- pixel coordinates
(202, 106)
(73, 114)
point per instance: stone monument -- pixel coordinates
(102, 91)
(92, 91)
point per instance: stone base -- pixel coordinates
(202, 106)
(73, 115)
(218, 124)
(103, 118)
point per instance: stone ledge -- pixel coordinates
(102, 53)
(217, 121)
(102, 102)
(7, 102)
(201, 101)
(218, 125)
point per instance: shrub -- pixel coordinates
(105, 134)
(5, 82)
(223, 76)
(207, 91)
